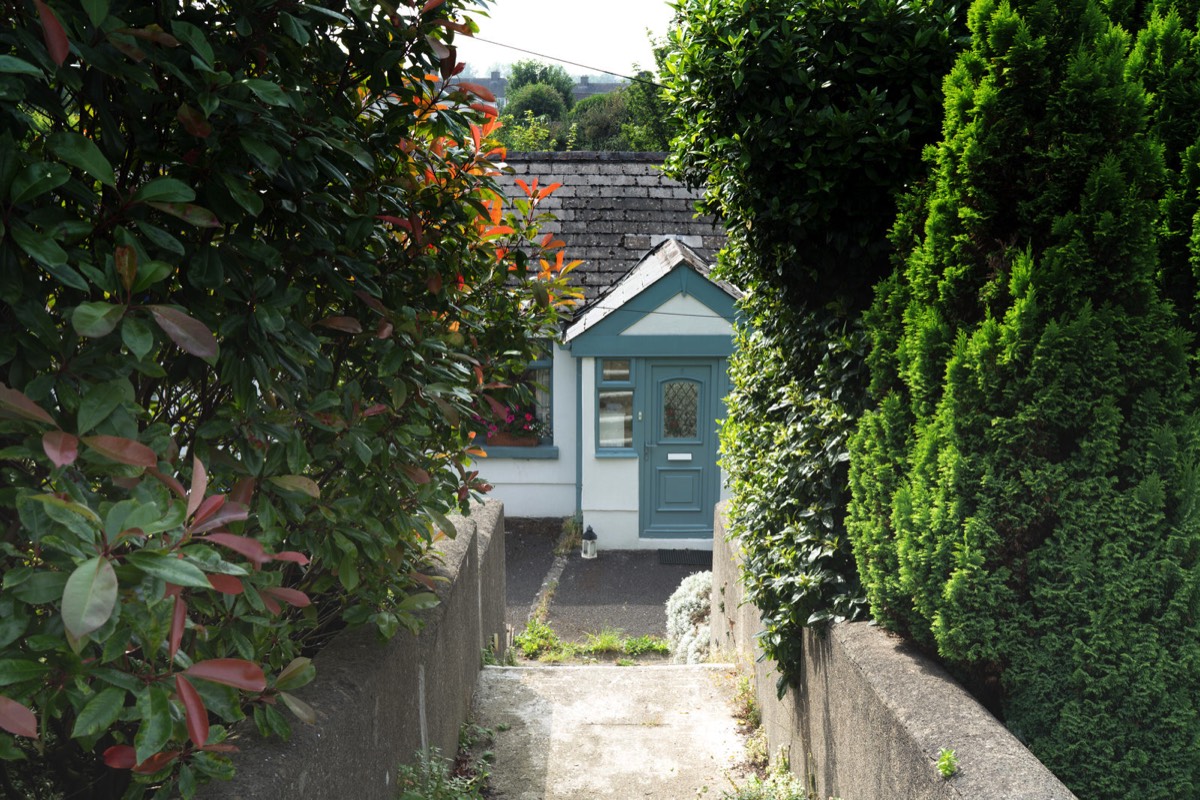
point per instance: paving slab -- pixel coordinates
(569, 733)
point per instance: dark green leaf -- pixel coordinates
(100, 712)
(36, 180)
(154, 709)
(164, 190)
(12, 64)
(81, 152)
(96, 319)
(169, 568)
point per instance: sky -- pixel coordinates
(600, 34)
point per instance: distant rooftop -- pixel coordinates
(613, 208)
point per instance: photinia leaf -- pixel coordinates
(303, 711)
(120, 756)
(252, 549)
(293, 597)
(125, 258)
(199, 486)
(227, 513)
(430, 5)
(99, 713)
(194, 711)
(235, 672)
(17, 66)
(418, 475)
(152, 33)
(297, 483)
(207, 508)
(154, 709)
(191, 335)
(89, 596)
(156, 762)
(169, 568)
(268, 92)
(95, 319)
(80, 151)
(292, 556)
(62, 448)
(193, 122)
(480, 91)
(123, 450)
(53, 33)
(164, 190)
(178, 624)
(195, 215)
(226, 584)
(345, 324)
(169, 481)
(17, 719)
(16, 403)
(299, 672)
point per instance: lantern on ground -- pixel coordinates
(589, 543)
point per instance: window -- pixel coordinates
(537, 377)
(614, 404)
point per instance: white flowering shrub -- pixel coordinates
(688, 610)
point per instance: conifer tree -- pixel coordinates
(1024, 496)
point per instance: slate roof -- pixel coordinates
(612, 208)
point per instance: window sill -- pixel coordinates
(615, 453)
(543, 452)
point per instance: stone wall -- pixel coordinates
(379, 703)
(871, 713)
(612, 208)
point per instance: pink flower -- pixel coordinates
(528, 418)
(510, 418)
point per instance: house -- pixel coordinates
(634, 388)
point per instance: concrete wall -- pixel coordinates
(378, 703)
(871, 713)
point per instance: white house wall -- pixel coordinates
(681, 315)
(609, 500)
(542, 487)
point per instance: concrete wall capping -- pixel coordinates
(379, 703)
(588, 155)
(872, 713)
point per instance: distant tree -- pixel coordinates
(651, 125)
(600, 121)
(541, 99)
(529, 72)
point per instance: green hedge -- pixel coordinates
(1024, 496)
(254, 276)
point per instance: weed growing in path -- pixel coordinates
(947, 763)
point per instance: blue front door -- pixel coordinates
(679, 476)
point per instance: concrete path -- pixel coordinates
(569, 733)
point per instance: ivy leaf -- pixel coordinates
(99, 713)
(95, 319)
(79, 151)
(191, 335)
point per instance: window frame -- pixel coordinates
(602, 385)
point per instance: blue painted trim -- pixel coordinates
(617, 346)
(579, 436)
(613, 452)
(680, 280)
(601, 385)
(541, 452)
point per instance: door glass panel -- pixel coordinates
(681, 409)
(615, 370)
(616, 418)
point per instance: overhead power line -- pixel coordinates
(629, 78)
